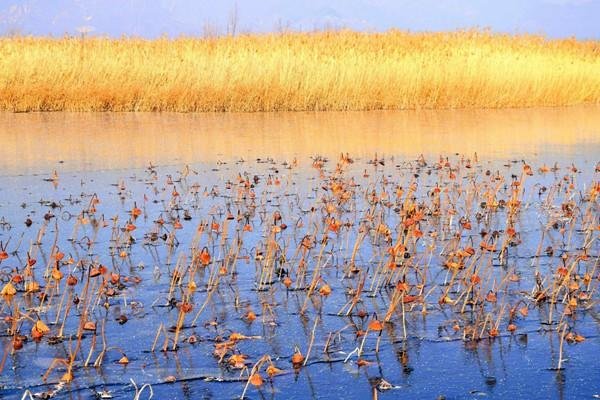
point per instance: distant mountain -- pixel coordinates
(153, 18)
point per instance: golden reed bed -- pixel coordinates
(298, 71)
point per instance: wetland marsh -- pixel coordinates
(301, 255)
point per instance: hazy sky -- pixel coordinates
(151, 18)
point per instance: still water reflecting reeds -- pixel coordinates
(35, 142)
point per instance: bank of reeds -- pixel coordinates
(342, 70)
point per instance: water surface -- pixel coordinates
(35, 142)
(109, 155)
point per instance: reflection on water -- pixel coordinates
(90, 141)
(445, 324)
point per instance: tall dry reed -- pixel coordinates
(342, 70)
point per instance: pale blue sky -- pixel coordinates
(152, 18)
